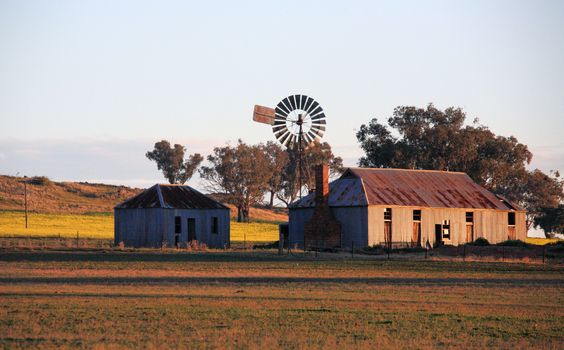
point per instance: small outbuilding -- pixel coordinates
(401, 207)
(171, 215)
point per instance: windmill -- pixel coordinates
(297, 121)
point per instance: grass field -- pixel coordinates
(12, 223)
(260, 300)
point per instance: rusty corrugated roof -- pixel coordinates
(342, 192)
(405, 187)
(172, 197)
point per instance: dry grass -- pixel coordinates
(236, 300)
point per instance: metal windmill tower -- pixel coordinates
(297, 121)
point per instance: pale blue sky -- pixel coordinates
(87, 87)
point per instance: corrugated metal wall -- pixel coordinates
(149, 227)
(490, 224)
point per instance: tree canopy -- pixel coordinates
(170, 160)
(429, 138)
(240, 173)
(551, 220)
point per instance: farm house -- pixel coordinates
(401, 207)
(173, 215)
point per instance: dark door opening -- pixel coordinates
(438, 235)
(191, 229)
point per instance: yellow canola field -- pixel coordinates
(102, 226)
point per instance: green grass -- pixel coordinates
(101, 225)
(237, 300)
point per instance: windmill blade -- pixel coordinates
(285, 104)
(298, 101)
(307, 138)
(319, 116)
(313, 106)
(319, 121)
(285, 137)
(281, 109)
(280, 130)
(277, 128)
(314, 137)
(308, 103)
(318, 127)
(316, 111)
(292, 100)
(262, 114)
(319, 133)
(279, 121)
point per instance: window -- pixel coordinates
(511, 219)
(417, 215)
(214, 225)
(388, 214)
(446, 229)
(177, 225)
(469, 217)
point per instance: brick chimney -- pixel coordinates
(322, 185)
(323, 230)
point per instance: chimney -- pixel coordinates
(321, 185)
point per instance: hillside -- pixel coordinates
(46, 196)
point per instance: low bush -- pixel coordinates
(480, 241)
(40, 181)
(273, 245)
(513, 243)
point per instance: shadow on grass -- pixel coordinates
(283, 280)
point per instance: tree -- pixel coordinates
(241, 173)
(171, 161)
(551, 220)
(433, 139)
(316, 153)
(277, 160)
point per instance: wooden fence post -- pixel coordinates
(543, 249)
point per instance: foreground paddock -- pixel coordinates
(245, 300)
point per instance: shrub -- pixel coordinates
(40, 181)
(273, 245)
(513, 243)
(480, 241)
(556, 247)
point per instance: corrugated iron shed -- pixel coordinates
(171, 197)
(405, 187)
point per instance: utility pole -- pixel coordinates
(25, 199)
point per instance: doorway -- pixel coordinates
(469, 233)
(388, 233)
(416, 235)
(438, 235)
(191, 229)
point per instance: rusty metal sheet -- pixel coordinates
(425, 188)
(404, 187)
(264, 115)
(171, 196)
(342, 193)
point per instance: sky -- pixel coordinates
(88, 87)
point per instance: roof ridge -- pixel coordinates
(410, 170)
(160, 194)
